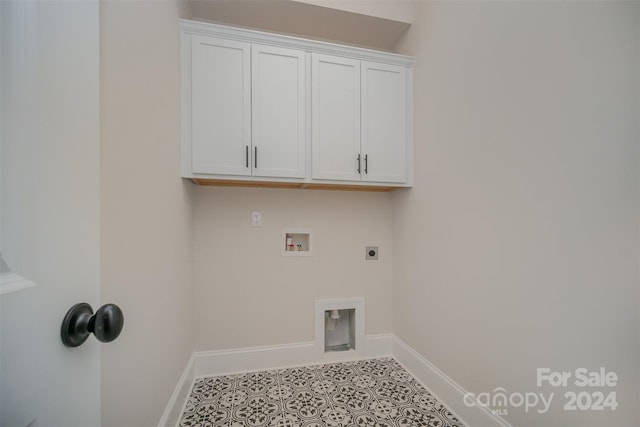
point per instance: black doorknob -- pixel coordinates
(80, 321)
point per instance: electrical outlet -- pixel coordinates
(371, 253)
(256, 218)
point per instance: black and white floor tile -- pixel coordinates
(373, 392)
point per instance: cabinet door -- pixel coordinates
(221, 109)
(278, 112)
(384, 122)
(335, 140)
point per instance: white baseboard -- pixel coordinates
(445, 389)
(225, 362)
(379, 345)
(174, 409)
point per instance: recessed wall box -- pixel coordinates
(340, 325)
(297, 242)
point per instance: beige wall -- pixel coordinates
(518, 247)
(145, 211)
(373, 24)
(248, 294)
(396, 10)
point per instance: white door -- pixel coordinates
(384, 122)
(278, 112)
(221, 106)
(335, 124)
(49, 197)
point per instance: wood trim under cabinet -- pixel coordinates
(305, 185)
(237, 183)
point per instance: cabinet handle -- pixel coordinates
(366, 163)
(358, 159)
(246, 156)
(255, 157)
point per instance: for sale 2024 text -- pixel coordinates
(587, 399)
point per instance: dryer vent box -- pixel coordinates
(340, 326)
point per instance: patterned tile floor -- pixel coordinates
(373, 392)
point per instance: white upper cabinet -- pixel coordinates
(220, 106)
(335, 110)
(278, 112)
(248, 109)
(265, 109)
(359, 120)
(384, 122)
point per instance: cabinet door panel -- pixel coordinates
(278, 112)
(335, 141)
(221, 109)
(384, 122)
